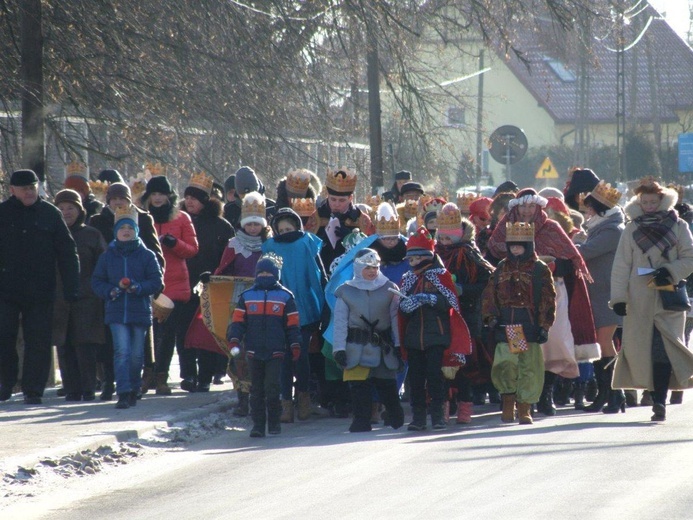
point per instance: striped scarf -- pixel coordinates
(656, 229)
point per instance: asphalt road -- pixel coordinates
(573, 466)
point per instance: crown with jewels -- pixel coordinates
(297, 181)
(341, 181)
(519, 232)
(605, 194)
(304, 207)
(99, 189)
(449, 217)
(407, 209)
(201, 181)
(129, 212)
(77, 168)
(465, 200)
(155, 169)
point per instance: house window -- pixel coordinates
(560, 70)
(456, 116)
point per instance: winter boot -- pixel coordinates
(438, 421)
(123, 401)
(631, 398)
(418, 422)
(162, 387)
(464, 412)
(241, 409)
(148, 380)
(616, 402)
(274, 411)
(107, 391)
(676, 397)
(287, 411)
(545, 404)
(562, 390)
(393, 415)
(375, 413)
(603, 385)
(524, 411)
(132, 398)
(659, 412)
(646, 399)
(591, 389)
(303, 411)
(508, 412)
(579, 395)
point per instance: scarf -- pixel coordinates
(549, 239)
(656, 230)
(360, 282)
(161, 214)
(125, 248)
(289, 237)
(393, 255)
(252, 244)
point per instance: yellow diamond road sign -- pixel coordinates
(547, 170)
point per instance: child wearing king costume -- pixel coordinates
(519, 302)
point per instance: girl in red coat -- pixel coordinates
(178, 242)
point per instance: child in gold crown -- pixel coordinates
(519, 303)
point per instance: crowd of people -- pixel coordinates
(528, 299)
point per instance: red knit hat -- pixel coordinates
(480, 207)
(420, 243)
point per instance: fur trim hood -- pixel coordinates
(669, 198)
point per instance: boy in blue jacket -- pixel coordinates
(267, 318)
(126, 275)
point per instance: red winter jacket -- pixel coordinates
(176, 281)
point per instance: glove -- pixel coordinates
(340, 358)
(620, 308)
(115, 293)
(428, 299)
(204, 277)
(410, 303)
(542, 336)
(134, 288)
(342, 231)
(169, 240)
(662, 276)
(295, 352)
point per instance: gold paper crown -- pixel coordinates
(297, 181)
(519, 232)
(99, 189)
(77, 168)
(155, 169)
(129, 212)
(373, 200)
(137, 187)
(407, 209)
(202, 182)
(253, 205)
(464, 200)
(387, 227)
(605, 194)
(449, 218)
(304, 207)
(341, 181)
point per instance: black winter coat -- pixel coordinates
(33, 240)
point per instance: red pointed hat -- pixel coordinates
(420, 243)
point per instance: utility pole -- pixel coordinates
(479, 122)
(33, 141)
(375, 129)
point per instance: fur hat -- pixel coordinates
(527, 196)
(411, 186)
(420, 243)
(109, 175)
(157, 184)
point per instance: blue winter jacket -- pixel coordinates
(267, 321)
(141, 267)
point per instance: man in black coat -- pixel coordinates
(34, 239)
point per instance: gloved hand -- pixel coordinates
(410, 303)
(342, 231)
(428, 299)
(134, 288)
(115, 293)
(340, 358)
(204, 277)
(620, 308)
(295, 352)
(662, 276)
(169, 240)
(542, 336)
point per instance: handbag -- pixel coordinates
(676, 300)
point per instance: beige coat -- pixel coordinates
(644, 306)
